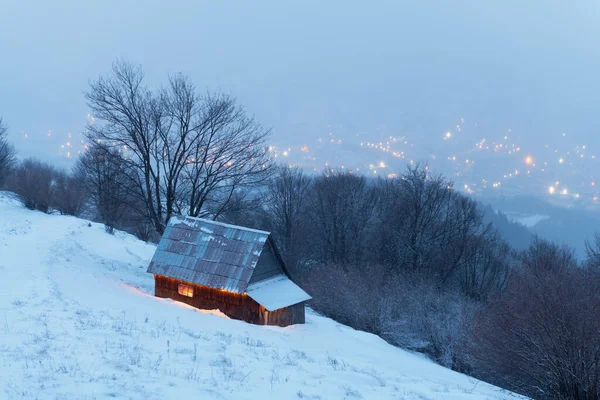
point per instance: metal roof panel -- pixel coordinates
(208, 253)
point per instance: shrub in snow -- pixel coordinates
(541, 336)
(8, 157)
(68, 194)
(33, 182)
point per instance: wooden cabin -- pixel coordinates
(211, 265)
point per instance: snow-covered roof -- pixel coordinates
(277, 292)
(187, 221)
(208, 253)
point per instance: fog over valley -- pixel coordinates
(500, 97)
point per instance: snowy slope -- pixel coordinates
(78, 321)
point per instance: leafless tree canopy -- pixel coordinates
(190, 154)
(103, 174)
(8, 157)
(286, 198)
(541, 337)
(411, 260)
(419, 215)
(341, 205)
(543, 257)
(592, 249)
(406, 258)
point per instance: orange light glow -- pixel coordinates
(186, 290)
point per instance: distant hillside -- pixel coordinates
(517, 235)
(570, 226)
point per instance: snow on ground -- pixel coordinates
(78, 320)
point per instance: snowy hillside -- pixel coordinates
(78, 320)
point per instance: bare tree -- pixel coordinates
(426, 227)
(131, 120)
(341, 206)
(190, 154)
(462, 228)
(104, 176)
(246, 208)
(425, 201)
(229, 154)
(361, 239)
(8, 157)
(542, 336)
(286, 199)
(487, 267)
(592, 250)
(544, 256)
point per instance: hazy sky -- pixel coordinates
(307, 68)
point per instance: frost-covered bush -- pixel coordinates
(7, 155)
(407, 310)
(33, 182)
(425, 318)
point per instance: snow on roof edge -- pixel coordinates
(276, 293)
(181, 218)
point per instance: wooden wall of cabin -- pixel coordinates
(236, 306)
(285, 316)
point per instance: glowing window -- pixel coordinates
(186, 290)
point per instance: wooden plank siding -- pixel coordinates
(234, 305)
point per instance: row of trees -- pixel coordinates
(541, 336)
(40, 186)
(411, 260)
(408, 258)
